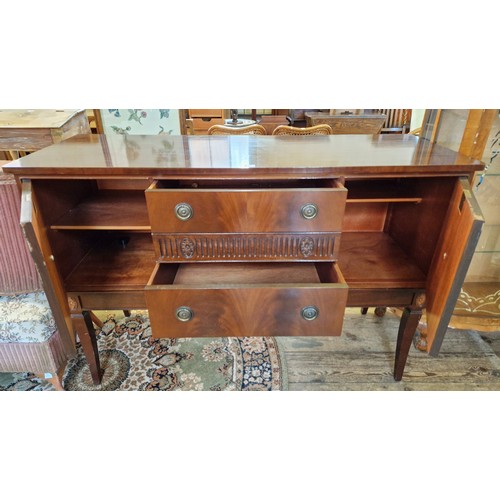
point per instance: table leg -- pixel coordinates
(86, 333)
(97, 322)
(407, 328)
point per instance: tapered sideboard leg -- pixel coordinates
(86, 333)
(407, 328)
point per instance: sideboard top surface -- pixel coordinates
(166, 155)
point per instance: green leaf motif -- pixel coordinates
(119, 130)
(137, 114)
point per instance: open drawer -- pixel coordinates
(236, 300)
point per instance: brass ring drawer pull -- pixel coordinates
(309, 211)
(184, 313)
(183, 211)
(310, 313)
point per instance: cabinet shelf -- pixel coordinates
(381, 192)
(107, 210)
(367, 260)
(111, 265)
(375, 260)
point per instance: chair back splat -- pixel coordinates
(255, 129)
(322, 129)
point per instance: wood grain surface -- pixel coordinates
(362, 358)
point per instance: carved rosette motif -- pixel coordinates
(420, 300)
(73, 304)
(420, 341)
(187, 247)
(307, 247)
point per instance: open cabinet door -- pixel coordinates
(32, 226)
(454, 252)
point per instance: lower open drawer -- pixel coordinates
(236, 300)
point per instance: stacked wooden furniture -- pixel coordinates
(397, 120)
(270, 122)
(349, 123)
(252, 235)
(203, 119)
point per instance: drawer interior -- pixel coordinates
(241, 274)
(246, 184)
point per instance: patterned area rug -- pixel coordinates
(133, 361)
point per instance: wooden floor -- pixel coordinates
(362, 359)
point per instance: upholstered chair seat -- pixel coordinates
(26, 318)
(29, 340)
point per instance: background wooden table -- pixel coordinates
(348, 124)
(26, 130)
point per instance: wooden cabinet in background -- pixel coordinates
(348, 124)
(27, 130)
(203, 119)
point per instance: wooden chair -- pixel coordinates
(228, 130)
(397, 120)
(29, 339)
(322, 129)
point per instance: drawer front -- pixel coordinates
(251, 309)
(250, 247)
(206, 113)
(246, 211)
(247, 311)
(203, 124)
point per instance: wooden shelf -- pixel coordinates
(108, 210)
(111, 266)
(375, 260)
(367, 260)
(380, 192)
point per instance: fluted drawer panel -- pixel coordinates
(246, 247)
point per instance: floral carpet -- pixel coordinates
(133, 361)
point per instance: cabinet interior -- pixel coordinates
(390, 229)
(98, 229)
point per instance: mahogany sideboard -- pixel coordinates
(249, 235)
